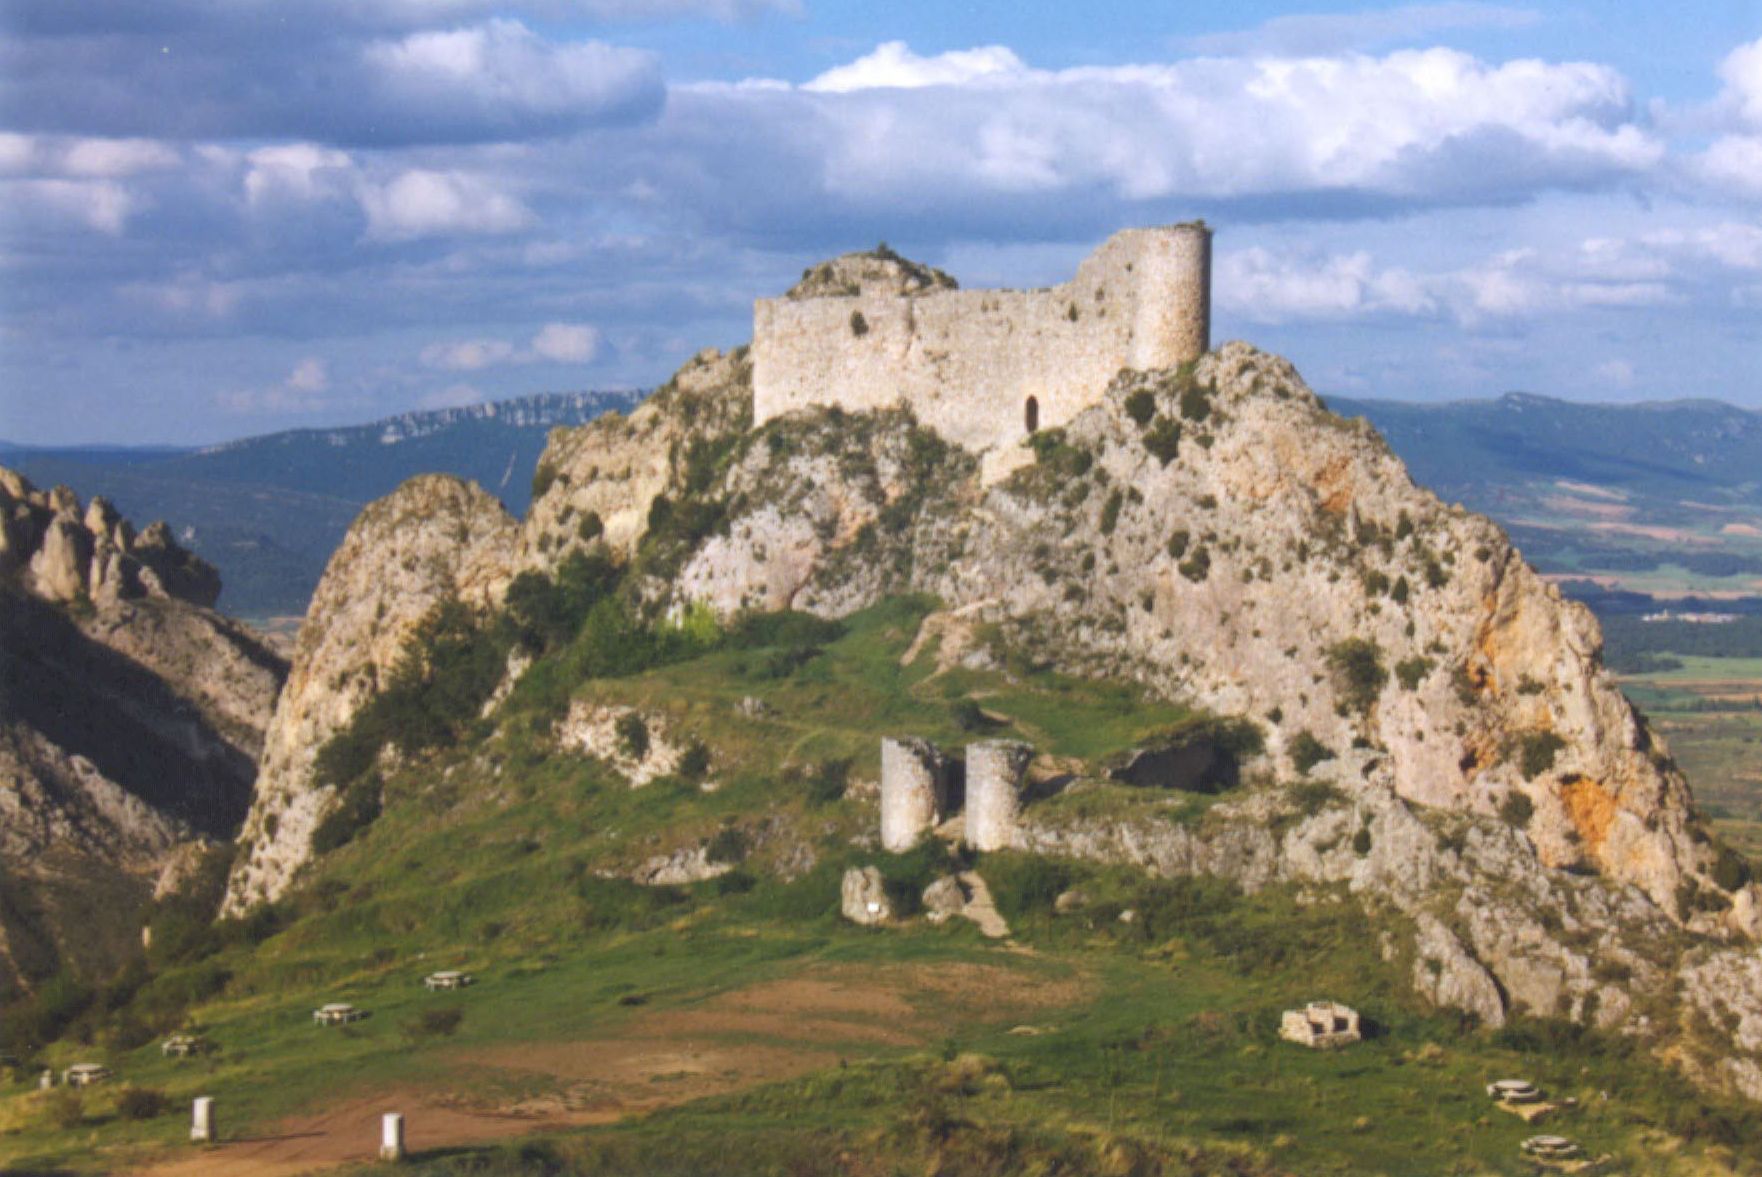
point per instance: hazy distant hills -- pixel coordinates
(268, 511)
(1663, 497)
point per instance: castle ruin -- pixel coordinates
(995, 769)
(984, 368)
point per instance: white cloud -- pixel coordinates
(309, 375)
(502, 74)
(556, 343)
(1268, 288)
(423, 203)
(1333, 32)
(64, 157)
(1741, 71)
(306, 389)
(468, 355)
(566, 343)
(99, 205)
(895, 130)
(301, 172)
(894, 66)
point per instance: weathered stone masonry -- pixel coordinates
(985, 367)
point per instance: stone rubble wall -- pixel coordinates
(967, 362)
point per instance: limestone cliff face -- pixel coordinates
(598, 482)
(437, 537)
(131, 721)
(1221, 537)
(433, 538)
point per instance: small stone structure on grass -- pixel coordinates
(863, 897)
(85, 1074)
(182, 1046)
(1514, 1091)
(1550, 1148)
(337, 1013)
(1321, 1024)
(447, 979)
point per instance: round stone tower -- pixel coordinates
(1172, 280)
(994, 792)
(914, 783)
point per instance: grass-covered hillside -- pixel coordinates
(736, 1024)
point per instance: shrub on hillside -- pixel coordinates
(141, 1103)
(1164, 440)
(1536, 752)
(1517, 809)
(633, 735)
(1307, 752)
(357, 808)
(1359, 674)
(1141, 406)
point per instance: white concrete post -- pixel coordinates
(202, 1121)
(391, 1137)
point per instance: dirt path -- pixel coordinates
(763, 1033)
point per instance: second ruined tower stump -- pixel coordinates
(995, 769)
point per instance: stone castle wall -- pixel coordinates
(982, 367)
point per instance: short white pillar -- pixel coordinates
(202, 1120)
(391, 1137)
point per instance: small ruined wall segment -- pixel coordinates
(914, 782)
(994, 790)
(968, 361)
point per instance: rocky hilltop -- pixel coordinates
(1438, 734)
(131, 723)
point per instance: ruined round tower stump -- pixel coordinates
(914, 791)
(995, 769)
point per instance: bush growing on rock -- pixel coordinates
(1307, 752)
(633, 735)
(1536, 752)
(1141, 406)
(1359, 674)
(1517, 809)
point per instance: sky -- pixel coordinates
(226, 217)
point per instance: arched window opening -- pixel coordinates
(1031, 415)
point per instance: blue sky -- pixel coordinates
(222, 217)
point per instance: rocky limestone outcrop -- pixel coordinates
(131, 721)
(64, 554)
(435, 538)
(862, 896)
(597, 483)
(877, 271)
(1221, 537)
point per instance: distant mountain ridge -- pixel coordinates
(268, 511)
(1660, 497)
(1657, 447)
